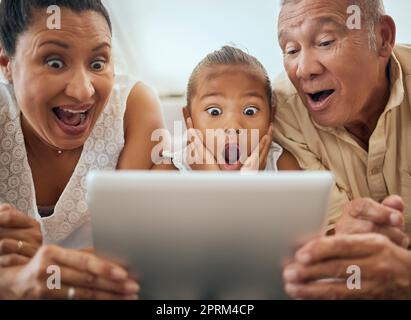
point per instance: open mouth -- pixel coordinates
(73, 120)
(321, 96)
(231, 156)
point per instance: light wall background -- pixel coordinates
(161, 41)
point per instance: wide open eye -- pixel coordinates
(214, 111)
(250, 111)
(55, 63)
(98, 65)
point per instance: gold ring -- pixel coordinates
(20, 246)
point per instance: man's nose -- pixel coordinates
(80, 86)
(308, 66)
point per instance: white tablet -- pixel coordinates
(205, 235)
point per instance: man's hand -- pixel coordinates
(385, 269)
(20, 236)
(365, 215)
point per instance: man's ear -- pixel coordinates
(387, 33)
(5, 63)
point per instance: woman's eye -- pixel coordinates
(214, 111)
(55, 63)
(98, 65)
(250, 111)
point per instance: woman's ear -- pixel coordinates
(5, 63)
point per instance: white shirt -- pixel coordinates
(70, 224)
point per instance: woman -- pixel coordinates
(62, 114)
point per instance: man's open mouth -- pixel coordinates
(321, 96)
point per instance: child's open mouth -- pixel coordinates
(73, 120)
(231, 157)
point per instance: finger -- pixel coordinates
(332, 269)
(327, 290)
(85, 262)
(71, 277)
(394, 234)
(371, 210)
(11, 218)
(11, 260)
(264, 152)
(31, 236)
(341, 246)
(394, 202)
(83, 294)
(12, 246)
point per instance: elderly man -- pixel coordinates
(345, 107)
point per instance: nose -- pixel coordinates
(232, 126)
(80, 86)
(308, 67)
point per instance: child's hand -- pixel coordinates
(203, 159)
(258, 158)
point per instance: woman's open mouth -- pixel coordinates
(73, 120)
(231, 156)
(319, 101)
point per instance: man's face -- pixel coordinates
(333, 68)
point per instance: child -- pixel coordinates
(229, 94)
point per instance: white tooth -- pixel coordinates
(75, 111)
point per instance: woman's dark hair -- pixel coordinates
(16, 16)
(228, 55)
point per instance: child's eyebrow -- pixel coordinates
(254, 94)
(211, 94)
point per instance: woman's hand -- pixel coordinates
(20, 236)
(82, 276)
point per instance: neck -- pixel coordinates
(38, 148)
(363, 127)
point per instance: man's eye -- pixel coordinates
(291, 51)
(326, 43)
(214, 111)
(250, 111)
(55, 63)
(98, 65)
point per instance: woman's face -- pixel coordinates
(63, 78)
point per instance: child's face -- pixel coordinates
(231, 98)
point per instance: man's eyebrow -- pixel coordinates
(321, 22)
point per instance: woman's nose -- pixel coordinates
(80, 86)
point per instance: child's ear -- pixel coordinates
(5, 65)
(186, 113)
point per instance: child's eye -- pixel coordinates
(55, 63)
(250, 111)
(214, 111)
(98, 65)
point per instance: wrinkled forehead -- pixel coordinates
(319, 12)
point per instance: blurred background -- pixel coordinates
(160, 42)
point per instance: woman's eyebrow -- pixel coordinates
(56, 43)
(66, 46)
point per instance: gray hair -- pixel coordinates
(373, 11)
